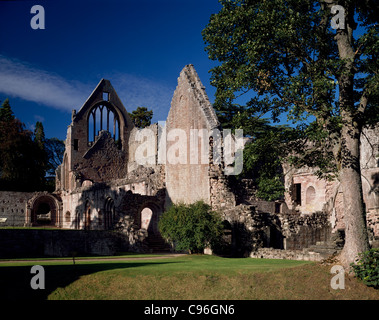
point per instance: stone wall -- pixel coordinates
(97, 140)
(302, 231)
(143, 184)
(24, 243)
(187, 165)
(306, 193)
(13, 208)
(270, 253)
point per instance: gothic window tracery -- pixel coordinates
(103, 117)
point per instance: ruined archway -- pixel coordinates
(310, 196)
(109, 214)
(87, 216)
(44, 211)
(65, 173)
(149, 215)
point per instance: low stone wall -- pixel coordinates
(13, 208)
(302, 231)
(22, 243)
(270, 253)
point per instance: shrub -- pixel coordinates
(367, 268)
(191, 227)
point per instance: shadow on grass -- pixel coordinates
(15, 280)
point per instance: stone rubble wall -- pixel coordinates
(302, 231)
(270, 253)
(13, 208)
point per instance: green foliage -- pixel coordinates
(191, 227)
(263, 157)
(282, 57)
(367, 268)
(39, 135)
(40, 155)
(6, 113)
(141, 117)
(20, 168)
(55, 149)
(23, 156)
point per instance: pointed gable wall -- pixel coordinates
(190, 109)
(97, 153)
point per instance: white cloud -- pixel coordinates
(19, 79)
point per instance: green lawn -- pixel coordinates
(186, 277)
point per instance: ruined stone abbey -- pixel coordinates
(113, 178)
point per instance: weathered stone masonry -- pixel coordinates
(101, 185)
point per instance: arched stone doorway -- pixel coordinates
(149, 215)
(149, 218)
(44, 211)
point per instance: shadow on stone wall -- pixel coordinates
(375, 183)
(236, 242)
(102, 206)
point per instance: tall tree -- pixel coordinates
(55, 150)
(141, 117)
(20, 166)
(6, 113)
(39, 135)
(306, 58)
(40, 155)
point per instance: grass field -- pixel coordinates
(190, 277)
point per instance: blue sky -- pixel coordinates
(140, 46)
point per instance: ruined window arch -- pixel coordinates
(109, 214)
(67, 216)
(103, 117)
(44, 211)
(149, 215)
(310, 195)
(65, 173)
(87, 216)
(146, 216)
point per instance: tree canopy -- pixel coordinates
(191, 227)
(316, 62)
(141, 117)
(25, 156)
(55, 149)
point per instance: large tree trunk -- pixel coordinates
(356, 238)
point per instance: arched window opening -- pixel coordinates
(65, 173)
(103, 118)
(310, 195)
(78, 218)
(109, 215)
(67, 217)
(87, 216)
(146, 215)
(149, 217)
